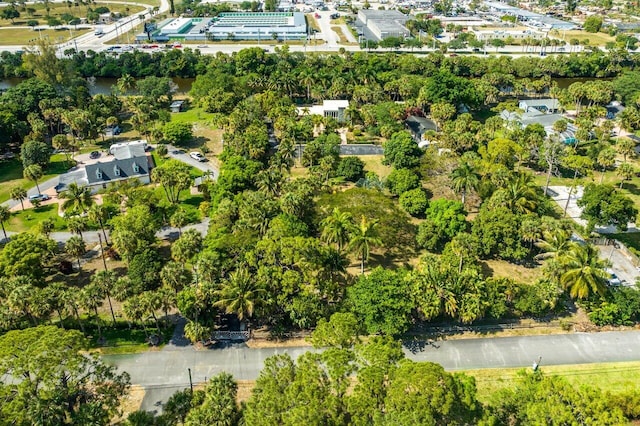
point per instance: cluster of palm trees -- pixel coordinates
(575, 265)
(339, 228)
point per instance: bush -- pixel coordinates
(402, 180)
(350, 168)
(445, 220)
(414, 202)
(177, 133)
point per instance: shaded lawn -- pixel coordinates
(24, 220)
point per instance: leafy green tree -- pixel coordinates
(134, 231)
(337, 228)
(26, 254)
(442, 112)
(464, 179)
(603, 205)
(19, 194)
(144, 270)
(584, 272)
(219, 406)
(174, 176)
(58, 382)
(341, 331)
(444, 220)
(400, 181)
(175, 276)
(626, 171)
(350, 168)
(423, 393)
(593, 24)
(33, 173)
(401, 151)
(562, 404)
(35, 152)
(100, 214)
(382, 300)
(363, 237)
(414, 202)
(177, 407)
(498, 232)
(77, 199)
(185, 248)
(177, 133)
(11, 13)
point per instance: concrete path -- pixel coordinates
(163, 372)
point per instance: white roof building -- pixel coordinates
(329, 108)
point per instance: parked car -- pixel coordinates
(614, 280)
(116, 130)
(197, 156)
(94, 154)
(39, 197)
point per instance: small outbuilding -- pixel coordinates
(177, 106)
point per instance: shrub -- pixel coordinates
(414, 202)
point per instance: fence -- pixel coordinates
(231, 335)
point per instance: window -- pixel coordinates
(136, 168)
(116, 170)
(98, 173)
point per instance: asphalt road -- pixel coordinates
(162, 373)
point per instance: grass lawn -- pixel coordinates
(58, 9)
(24, 220)
(631, 239)
(595, 39)
(612, 377)
(504, 269)
(23, 36)
(11, 174)
(373, 163)
(124, 341)
(341, 35)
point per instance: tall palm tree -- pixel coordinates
(464, 179)
(584, 272)
(554, 244)
(77, 225)
(240, 294)
(77, 198)
(33, 173)
(100, 214)
(105, 280)
(20, 194)
(5, 215)
(337, 228)
(91, 298)
(363, 237)
(75, 247)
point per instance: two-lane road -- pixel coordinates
(162, 373)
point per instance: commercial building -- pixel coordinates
(528, 18)
(233, 26)
(381, 24)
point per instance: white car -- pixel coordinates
(197, 156)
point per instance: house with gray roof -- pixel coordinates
(102, 174)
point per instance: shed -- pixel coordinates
(177, 106)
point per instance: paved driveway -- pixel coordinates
(183, 155)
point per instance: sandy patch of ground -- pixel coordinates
(130, 403)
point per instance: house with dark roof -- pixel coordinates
(418, 126)
(102, 174)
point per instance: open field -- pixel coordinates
(24, 220)
(38, 11)
(595, 39)
(25, 36)
(612, 377)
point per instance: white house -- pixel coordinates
(331, 108)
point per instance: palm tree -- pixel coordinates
(105, 280)
(520, 194)
(33, 173)
(363, 237)
(77, 225)
(464, 179)
(126, 83)
(584, 272)
(240, 294)
(77, 198)
(75, 247)
(337, 228)
(91, 298)
(195, 332)
(554, 244)
(626, 172)
(100, 214)
(5, 215)
(20, 194)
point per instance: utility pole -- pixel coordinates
(190, 381)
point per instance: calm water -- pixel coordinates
(104, 85)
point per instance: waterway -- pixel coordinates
(105, 85)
